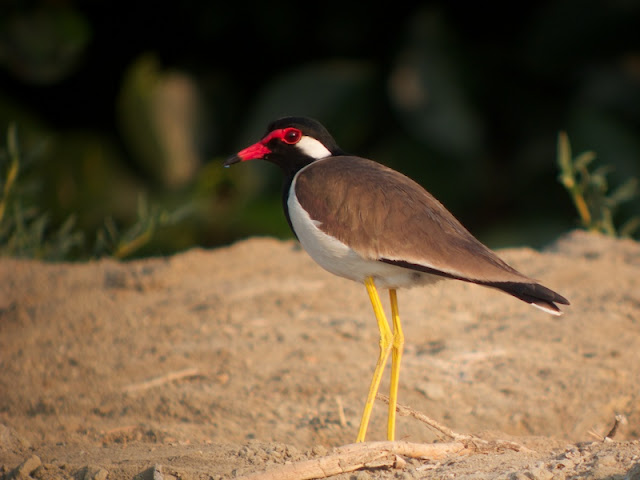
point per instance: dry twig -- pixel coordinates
(385, 454)
(343, 420)
(619, 420)
(357, 456)
(468, 440)
(169, 377)
(406, 411)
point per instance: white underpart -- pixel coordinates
(339, 259)
(313, 148)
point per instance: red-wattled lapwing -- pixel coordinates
(366, 222)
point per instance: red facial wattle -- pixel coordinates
(260, 150)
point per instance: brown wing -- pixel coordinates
(384, 215)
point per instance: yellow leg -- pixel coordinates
(386, 344)
(396, 358)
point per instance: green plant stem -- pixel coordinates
(124, 250)
(12, 173)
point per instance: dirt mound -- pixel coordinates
(216, 364)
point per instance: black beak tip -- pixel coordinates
(231, 160)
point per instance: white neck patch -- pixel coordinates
(313, 148)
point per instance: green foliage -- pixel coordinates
(450, 97)
(12, 169)
(123, 244)
(26, 232)
(589, 190)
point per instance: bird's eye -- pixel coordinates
(292, 135)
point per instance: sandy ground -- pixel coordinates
(247, 359)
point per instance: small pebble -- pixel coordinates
(27, 467)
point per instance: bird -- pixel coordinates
(366, 222)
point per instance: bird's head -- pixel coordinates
(291, 143)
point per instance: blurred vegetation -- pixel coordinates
(26, 231)
(130, 111)
(591, 194)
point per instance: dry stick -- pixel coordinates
(384, 454)
(343, 420)
(356, 456)
(478, 443)
(169, 377)
(405, 411)
(618, 420)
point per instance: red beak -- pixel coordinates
(254, 152)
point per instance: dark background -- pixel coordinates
(117, 99)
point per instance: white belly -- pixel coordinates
(337, 258)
